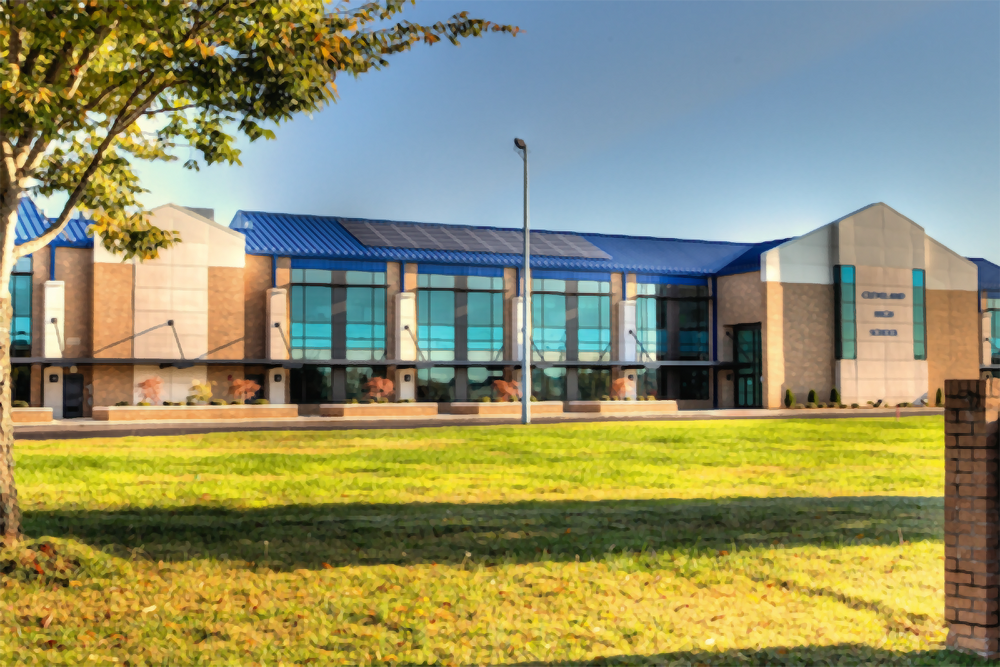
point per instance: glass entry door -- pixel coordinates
(748, 367)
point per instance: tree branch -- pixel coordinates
(153, 112)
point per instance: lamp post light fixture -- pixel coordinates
(522, 148)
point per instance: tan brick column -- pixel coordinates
(972, 520)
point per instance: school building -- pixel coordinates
(312, 307)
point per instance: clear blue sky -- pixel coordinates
(716, 120)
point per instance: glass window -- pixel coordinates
(312, 330)
(356, 380)
(593, 287)
(436, 385)
(693, 330)
(594, 328)
(993, 310)
(548, 327)
(20, 376)
(481, 381)
(646, 382)
(693, 384)
(845, 313)
(20, 292)
(364, 331)
(593, 383)
(435, 281)
(311, 384)
(548, 384)
(436, 324)
(919, 316)
(325, 277)
(651, 331)
(548, 285)
(485, 326)
(490, 283)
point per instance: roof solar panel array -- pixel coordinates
(469, 239)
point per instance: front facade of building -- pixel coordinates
(312, 308)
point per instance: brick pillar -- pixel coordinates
(972, 516)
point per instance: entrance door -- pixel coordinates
(748, 367)
(72, 395)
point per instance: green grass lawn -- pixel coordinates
(682, 543)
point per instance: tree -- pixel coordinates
(76, 79)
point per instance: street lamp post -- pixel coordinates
(522, 149)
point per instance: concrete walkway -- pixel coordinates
(88, 428)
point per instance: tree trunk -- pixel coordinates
(10, 509)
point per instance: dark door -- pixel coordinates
(748, 368)
(72, 395)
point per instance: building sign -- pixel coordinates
(882, 332)
(883, 295)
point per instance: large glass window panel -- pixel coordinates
(311, 384)
(693, 330)
(20, 340)
(436, 385)
(548, 327)
(485, 326)
(365, 323)
(594, 328)
(651, 338)
(492, 283)
(993, 310)
(480, 382)
(845, 313)
(548, 384)
(693, 384)
(593, 383)
(312, 326)
(436, 324)
(356, 379)
(647, 382)
(919, 316)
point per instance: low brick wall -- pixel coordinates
(125, 413)
(972, 516)
(621, 407)
(505, 409)
(30, 415)
(377, 409)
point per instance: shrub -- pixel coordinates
(605, 397)
(201, 392)
(122, 403)
(937, 398)
(19, 404)
(821, 404)
(812, 396)
(143, 403)
(261, 401)
(789, 398)
(534, 399)
(353, 401)
(798, 406)
(217, 401)
(627, 398)
(871, 402)
(855, 405)
(811, 404)
(835, 396)
(381, 399)
(485, 399)
(191, 403)
(842, 406)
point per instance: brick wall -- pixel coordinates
(972, 519)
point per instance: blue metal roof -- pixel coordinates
(750, 260)
(31, 223)
(323, 236)
(989, 274)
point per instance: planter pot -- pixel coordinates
(376, 409)
(505, 409)
(621, 407)
(30, 415)
(203, 412)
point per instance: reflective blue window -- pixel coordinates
(20, 292)
(311, 323)
(594, 328)
(548, 327)
(436, 324)
(919, 316)
(364, 331)
(845, 313)
(485, 326)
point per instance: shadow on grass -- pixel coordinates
(306, 536)
(821, 656)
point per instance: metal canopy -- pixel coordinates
(468, 239)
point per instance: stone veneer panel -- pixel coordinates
(952, 337)
(75, 267)
(112, 383)
(971, 516)
(808, 343)
(509, 294)
(112, 314)
(256, 282)
(225, 312)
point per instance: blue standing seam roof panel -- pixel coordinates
(451, 270)
(645, 279)
(324, 237)
(989, 274)
(31, 223)
(749, 260)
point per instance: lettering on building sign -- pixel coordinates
(883, 295)
(882, 332)
(884, 313)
